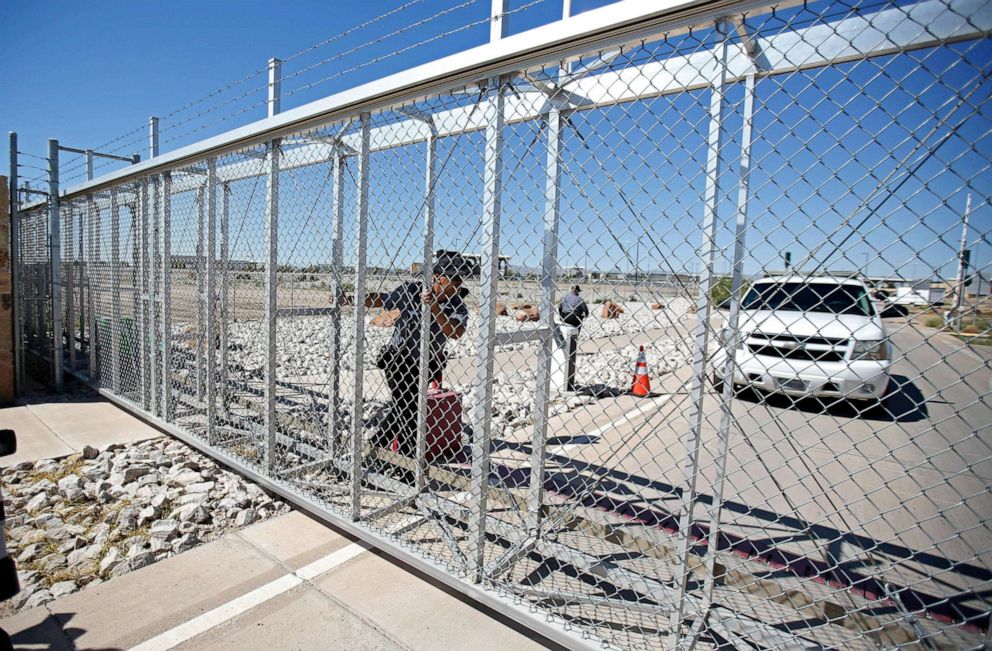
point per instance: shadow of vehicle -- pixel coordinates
(903, 403)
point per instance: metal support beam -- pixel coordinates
(482, 409)
(70, 288)
(271, 282)
(549, 268)
(733, 318)
(225, 261)
(152, 137)
(115, 292)
(430, 173)
(201, 292)
(55, 263)
(275, 86)
(15, 269)
(962, 274)
(209, 299)
(95, 348)
(337, 296)
(165, 214)
(361, 226)
(707, 254)
(89, 164)
(140, 239)
(152, 287)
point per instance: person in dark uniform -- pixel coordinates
(573, 309)
(400, 359)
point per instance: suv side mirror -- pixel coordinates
(8, 442)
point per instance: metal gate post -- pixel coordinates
(362, 215)
(483, 407)
(733, 318)
(549, 266)
(15, 262)
(94, 349)
(225, 262)
(211, 306)
(337, 261)
(70, 287)
(141, 292)
(271, 282)
(115, 292)
(80, 276)
(425, 319)
(55, 264)
(201, 297)
(707, 252)
(166, 292)
(153, 295)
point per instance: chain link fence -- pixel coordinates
(767, 203)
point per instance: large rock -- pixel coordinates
(164, 530)
(39, 598)
(385, 319)
(30, 553)
(528, 313)
(201, 487)
(187, 542)
(50, 563)
(141, 560)
(132, 473)
(192, 513)
(90, 452)
(186, 478)
(37, 503)
(611, 310)
(245, 517)
(70, 483)
(110, 560)
(63, 588)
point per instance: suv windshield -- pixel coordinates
(809, 297)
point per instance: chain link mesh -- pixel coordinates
(766, 208)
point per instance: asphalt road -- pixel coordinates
(897, 493)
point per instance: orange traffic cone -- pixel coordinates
(641, 387)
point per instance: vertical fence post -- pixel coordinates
(959, 288)
(81, 282)
(70, 287)
(337, 261)
(549, 267)
(201, 208)
(211, 334)
(115, 291)
(482, 409)
(271, 283)
(733, 318)
(362, 214)
(15, 269)
(497, 20)
(140, 238)
(151, 328)
(152, 137)
(426, 319)
(707, 253)
(166, 293)
(55, 262)
(275, 86)
(225, 261)
(93, 258)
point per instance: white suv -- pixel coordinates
(810, 336)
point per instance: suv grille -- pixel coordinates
(810, 349)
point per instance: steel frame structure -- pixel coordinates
(148, 188)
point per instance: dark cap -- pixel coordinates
(576, 289)
(450, 264)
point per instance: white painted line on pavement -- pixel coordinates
(240, 605)
(641, 410)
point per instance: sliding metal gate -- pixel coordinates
(665, 160)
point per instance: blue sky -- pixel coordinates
(633, 176)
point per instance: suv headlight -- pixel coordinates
(874, 349)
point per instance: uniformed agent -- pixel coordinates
(573, 309)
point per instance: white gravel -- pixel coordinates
(83, 519)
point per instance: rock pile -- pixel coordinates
(88, 517)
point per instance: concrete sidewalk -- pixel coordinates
(364, 602)
(58, 429)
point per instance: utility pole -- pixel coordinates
(962, 267)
